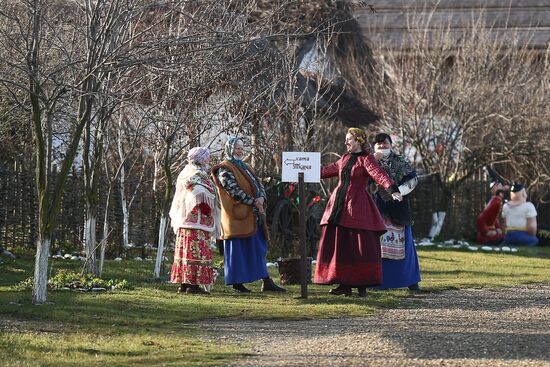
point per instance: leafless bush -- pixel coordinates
(465, 103)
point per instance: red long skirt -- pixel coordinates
(348, 256)
(192, 258)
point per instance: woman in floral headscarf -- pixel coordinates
(399, 259)
(242, 197)
(349, 248)
(194, 216)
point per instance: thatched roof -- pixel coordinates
(333, 88)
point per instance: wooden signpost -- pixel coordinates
(302, 167)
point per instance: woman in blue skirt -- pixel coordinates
(242, 198)
(399, 259)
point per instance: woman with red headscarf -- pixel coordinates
(349, 248)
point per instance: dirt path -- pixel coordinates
(473, 327)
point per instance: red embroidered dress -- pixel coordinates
(194, 217)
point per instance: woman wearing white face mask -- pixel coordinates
(399, 259)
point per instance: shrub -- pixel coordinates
(71, 280)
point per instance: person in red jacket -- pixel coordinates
(349, 248)
(489, 230)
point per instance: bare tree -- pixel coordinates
(37, 61)
(124, 152)
(463, 104)
(46, 73)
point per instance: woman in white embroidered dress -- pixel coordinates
(195, 216)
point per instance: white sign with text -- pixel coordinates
(307, 162)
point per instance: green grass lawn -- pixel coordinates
(152, 325)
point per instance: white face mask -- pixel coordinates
(385, 152)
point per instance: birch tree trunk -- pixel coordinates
(105, 236)
(40, 284)
(125, 210)
(90, 239)
(438, 218)
(160, 248)
(165, 203)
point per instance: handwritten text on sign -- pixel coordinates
(307, 162)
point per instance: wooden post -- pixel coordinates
(303, 252)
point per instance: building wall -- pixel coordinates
(389, 22)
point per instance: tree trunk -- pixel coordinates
(90, 240)
(443, 207)
(438, 219)
(160, 248)
(125, 211)
(105, 234)
(103, 242)
(40, 284)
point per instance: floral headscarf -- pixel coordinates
(230, 147)
(198, 155)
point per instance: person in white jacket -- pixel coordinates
(195, 218)
(520, 218)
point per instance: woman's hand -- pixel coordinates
(259, 204)
(397, 196)
(378, 156)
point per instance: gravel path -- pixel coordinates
(473, 327)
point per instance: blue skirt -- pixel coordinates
(244, 259)
(519, 238)
(401, 273)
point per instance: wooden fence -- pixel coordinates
(466, 204)
(18, 211)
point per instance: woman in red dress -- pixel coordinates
(194, 215)
(349, 248)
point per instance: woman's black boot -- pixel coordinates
(341, 290)
(269, 286)
(240, 288)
